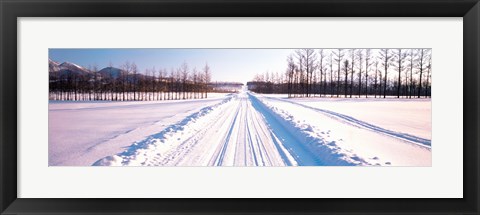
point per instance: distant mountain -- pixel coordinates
(53, 66)
(66, 68)
(111, 72)
(71, 68)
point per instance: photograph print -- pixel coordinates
(240, 107)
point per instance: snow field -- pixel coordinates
(410, 116)
(244, 129)
(356, 143)
(82, 132)
(162, 147)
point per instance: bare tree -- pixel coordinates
(144, 85)
(153, 86)
(400, 59)
(127, 69)
(352, 71)
(162, 88)
(310, 67)
(184, 76)
(300, 82)
(171, 84)
(367, 66)
(345, 66)
(201, 84)
(178, 85)
(321, 68)
(386, 57)
(207, 77)
(331, 74)
(338, 58)
(376, 79)
(113, 85)
(290, 73)
(422, 55)
(429, 69)
(134, 80)
(411, 60)
(195, 82)
(95, 82)
(360, 61)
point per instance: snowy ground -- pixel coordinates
(242, 129)
(80, 133)
(412, 116)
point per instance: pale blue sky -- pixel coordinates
(239, 65)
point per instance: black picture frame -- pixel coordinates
(10, 10)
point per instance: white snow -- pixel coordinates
(364, 143)
(412, 116)
(75, 65)
(243, 129)
(82, 132)
(231, 133)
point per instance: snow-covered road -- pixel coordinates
(243, 129)
(233, 133)
(237, 136)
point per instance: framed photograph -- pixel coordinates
(207, 107)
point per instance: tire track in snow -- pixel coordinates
(233, 133)
(288, 144)
(362, 124)
(239, 148)
(241, 131)
(221, 155)
(200, 150)
(155, 150)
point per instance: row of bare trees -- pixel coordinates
(128, 84)
(351, 73)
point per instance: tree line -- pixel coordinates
(402, 73)
(128, 84)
